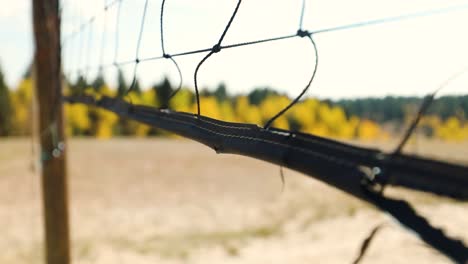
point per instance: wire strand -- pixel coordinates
(137, 53)
(116, 36)
(167, 56)
(161, 26)
(216, 48)
(270, 122)
(393, 19)
(103, 41)
(180, 81)
(89, 49)
(301, 19)
(428, 100)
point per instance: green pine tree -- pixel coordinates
(5, 107)
(164, 91)
(122, 86)
(221, 92)
(79, 86)
(136, 86)
(98, 82)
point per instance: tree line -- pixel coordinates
(397, 108)
(364, 119)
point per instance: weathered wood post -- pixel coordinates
(48, 85)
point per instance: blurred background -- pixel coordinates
(142, 195)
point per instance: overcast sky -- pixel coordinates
(410, 57)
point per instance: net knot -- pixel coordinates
(167, 56)
(303, 33)
(216, 48)
(137, 60)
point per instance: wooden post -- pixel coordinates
(48, 85)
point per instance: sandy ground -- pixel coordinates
(175, 201)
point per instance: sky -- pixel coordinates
(409, 57)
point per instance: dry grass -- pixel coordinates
(174, 201)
